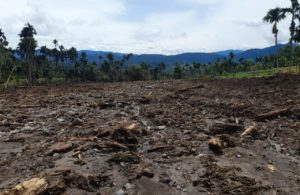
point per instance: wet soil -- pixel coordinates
(156, 137)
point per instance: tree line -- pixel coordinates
(36, 65)
(43, 65)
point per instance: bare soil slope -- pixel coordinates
(169, 137)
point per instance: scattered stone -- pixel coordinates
(119, 192)
(128, 134)
(30, 187)
(271, 168)
(60, 120)
(165, 178)
(128, 186)
(147, 173)
(27, 128)
(106, 105)
(161, 127)
(215, 145)
(77, 121)
(55, 155)
(79, 162)
(187, 131)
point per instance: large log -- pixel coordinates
(200, 86)
(225, 128)
(273, 114)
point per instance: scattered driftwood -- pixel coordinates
(27, 106)
(200, 86)
(160, 148)
(225, 128)
(61, 148)
(273, 114)
(252, 130)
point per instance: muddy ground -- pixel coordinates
(162, 137)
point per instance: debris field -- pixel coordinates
(235, 136)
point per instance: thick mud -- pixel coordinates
(167, 137)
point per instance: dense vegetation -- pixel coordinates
(33, 65)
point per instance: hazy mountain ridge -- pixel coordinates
(187, 57)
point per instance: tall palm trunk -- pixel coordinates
(1, 66)
(29, 66)
(277, 55)
(291, 42)
(275, 31)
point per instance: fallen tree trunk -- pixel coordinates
(273, 114)
(200, 86)
(225, 128)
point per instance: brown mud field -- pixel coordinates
(237, 136)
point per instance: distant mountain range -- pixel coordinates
(187, 57)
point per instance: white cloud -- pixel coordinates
(184, 26)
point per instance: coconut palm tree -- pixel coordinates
(55, 43)
(294, 12)
(273, 17)
(26, 49)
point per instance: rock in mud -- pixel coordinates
(128, 135)
(60, 148)
(215, 145)
(146, 172)
(119, 192)
(30, 187)
(77, 121)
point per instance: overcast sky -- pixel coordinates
(145, 26)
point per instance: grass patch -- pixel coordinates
(262, 73)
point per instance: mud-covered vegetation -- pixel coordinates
(155, 137)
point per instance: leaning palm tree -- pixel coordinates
(273, 17)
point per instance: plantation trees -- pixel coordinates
(26, 48)
(5, 56)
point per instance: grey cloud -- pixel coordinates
(250, 24)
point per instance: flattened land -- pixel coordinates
(153, 137)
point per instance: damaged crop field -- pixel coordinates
(236, 136)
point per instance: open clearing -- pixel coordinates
(152, 138)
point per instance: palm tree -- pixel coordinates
(3, 51)
(62, 55)
(294, 12)
(55, 42)
(26, 49)
(273, 17)
(231, 61)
